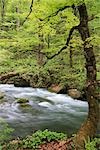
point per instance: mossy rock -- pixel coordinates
(2, 100)
(25, 105)
(1, 95)
(26, 108)
(22, 100)
(74, 93)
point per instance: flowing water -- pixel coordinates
(46, 110)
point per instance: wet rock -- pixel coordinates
(1, 95)
(14, 78)
(74, 93)
(21, 82)
(25, 105)
(58, 89)
(22, 101)
(27, 108)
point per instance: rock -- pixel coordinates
(1, 95)
(74, 93)
(21, 82)
(58, 89)
(8, 75)
(22, 100)
(25, 105)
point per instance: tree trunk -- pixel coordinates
(88, 129)
(2, 13)
(70, 56)
(40, 55)
(17, 20)
(48, 41)
(2, 10)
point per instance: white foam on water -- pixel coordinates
(45, 104)
(58, 102)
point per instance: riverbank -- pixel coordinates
(41, 81)
(47, 140)
(30, 109)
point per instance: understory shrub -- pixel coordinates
(93, 144)
(41, 137)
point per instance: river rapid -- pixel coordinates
(45, 110)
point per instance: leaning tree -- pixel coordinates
(89, 127)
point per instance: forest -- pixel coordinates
(49, 72)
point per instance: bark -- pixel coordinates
(2, 10)
(71, 57)
(48, 41)
(40, 55)
(17, 20)
(88, 129)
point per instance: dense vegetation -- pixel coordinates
(26, 44)
(33, 43)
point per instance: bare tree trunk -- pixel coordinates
(48, 41)
(88, 129)
(71, 57)
(40, 55)
(2, 10)
(17, 20)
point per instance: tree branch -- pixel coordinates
(92, 17)
(31, 8)
(56, 12)
(64, 47)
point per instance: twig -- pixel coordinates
(31, 8)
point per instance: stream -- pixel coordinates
(46, 110)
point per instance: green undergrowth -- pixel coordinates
(36, 139)
(41, 137)
(93, 144)
(5, 131)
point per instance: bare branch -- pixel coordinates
(64, 47)
(31, 8)
(56, 12)
(92, 17)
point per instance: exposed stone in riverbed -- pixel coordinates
(1, 95)
(22, 100)
(74, 93)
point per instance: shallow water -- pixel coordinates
(56, 112)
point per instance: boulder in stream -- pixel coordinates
(21, 82)
(59, 89)
(74, 93)
(1, 95)
(22, 100)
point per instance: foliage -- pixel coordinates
(92, 145)
(5, 131)
(35, 140)
(20, 44)
(41, 137)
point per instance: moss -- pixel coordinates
(23, 101)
